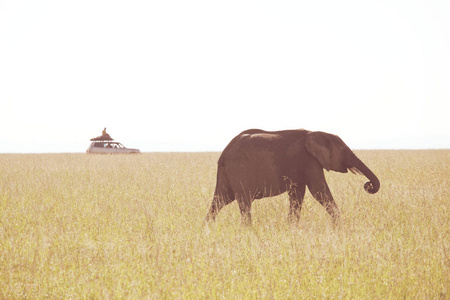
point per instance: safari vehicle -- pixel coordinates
(104, 144)
(109, 147)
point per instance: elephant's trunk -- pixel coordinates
(373, 185)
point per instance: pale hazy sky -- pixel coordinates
(190, 75)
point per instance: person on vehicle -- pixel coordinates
(105, 135)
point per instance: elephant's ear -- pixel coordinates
(320, 147)
(329, 150)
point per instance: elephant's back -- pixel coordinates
(257, 142)
(251, 160)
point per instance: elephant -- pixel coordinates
(258, 164)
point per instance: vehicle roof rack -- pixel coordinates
(105, 137)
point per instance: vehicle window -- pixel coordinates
(99, 145)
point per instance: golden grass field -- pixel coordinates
(102, 226)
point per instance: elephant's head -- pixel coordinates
(334, 154)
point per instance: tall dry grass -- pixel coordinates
(85, 226)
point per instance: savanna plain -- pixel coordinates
(104, 226)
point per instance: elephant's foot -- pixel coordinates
(335, 216)
(294, 217)
(246, 219)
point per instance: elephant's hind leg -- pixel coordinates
(296, 195)
(217, 204)
(245, 206)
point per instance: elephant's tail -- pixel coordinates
(223, 186)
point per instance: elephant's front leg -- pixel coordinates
(321, 192)
(296, 195)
